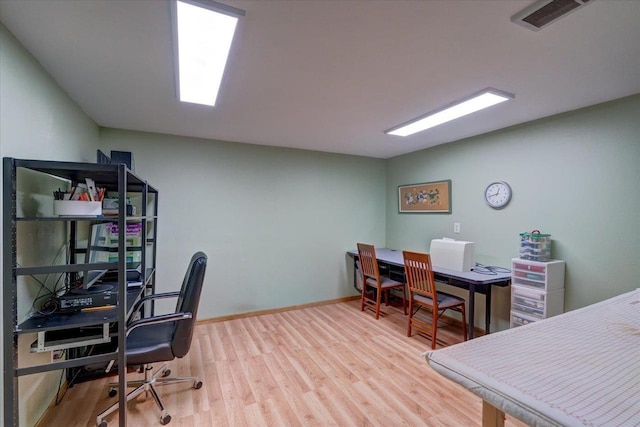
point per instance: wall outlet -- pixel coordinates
(456, 227)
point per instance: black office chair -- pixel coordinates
(162, 338)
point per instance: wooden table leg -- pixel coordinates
(492, 416)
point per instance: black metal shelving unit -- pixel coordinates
(110, 323)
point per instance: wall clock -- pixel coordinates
(498, 194)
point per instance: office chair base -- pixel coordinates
(148, 385)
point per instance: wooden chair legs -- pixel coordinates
(364, 301)
(435, 315)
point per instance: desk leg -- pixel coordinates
(492, 416)
(355, 275)
(487, 310)
(472, 305)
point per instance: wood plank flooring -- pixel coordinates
(329, 365)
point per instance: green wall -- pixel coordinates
(275, 222)
(38, 121)
(575, 176)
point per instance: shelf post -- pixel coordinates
(122, 294)
(9, 314)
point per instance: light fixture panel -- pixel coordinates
(476, 102)
(203, 33)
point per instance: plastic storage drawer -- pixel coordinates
(544, 276)
(536, 303)
(520, 319)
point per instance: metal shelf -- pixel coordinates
(90, 327)
(97, 218)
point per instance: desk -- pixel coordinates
(577, 368)
(474, 282)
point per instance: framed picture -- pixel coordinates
(430, 197)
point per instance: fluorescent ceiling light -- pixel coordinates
(471, 104)
(204, 31)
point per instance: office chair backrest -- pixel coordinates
(188, 302)
(419, 273)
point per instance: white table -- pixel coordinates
(578, 368)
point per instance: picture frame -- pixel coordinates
(428, 197)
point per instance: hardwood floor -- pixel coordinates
(330, 365)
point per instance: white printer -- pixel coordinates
(452, 254)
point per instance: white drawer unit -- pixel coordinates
(545, 276)
(537, 290)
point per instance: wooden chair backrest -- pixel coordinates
(368, 261)
(419, 274)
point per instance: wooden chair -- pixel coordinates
(423, 294)
(371, 279)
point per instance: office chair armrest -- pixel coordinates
(162, 318)
(152, 297)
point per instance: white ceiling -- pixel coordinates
(333, 75)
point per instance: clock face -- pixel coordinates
(497, 194)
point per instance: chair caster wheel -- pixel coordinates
(112, 393)
(103, 423)
(165, 419)
(197, 385)
(166, 374)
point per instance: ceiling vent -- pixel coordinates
(544, 12)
